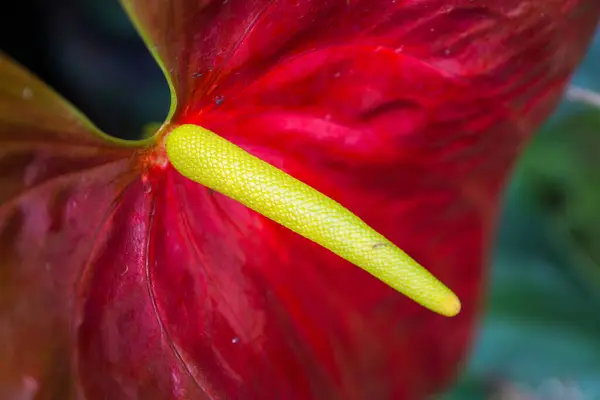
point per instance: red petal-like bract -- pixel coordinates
(120, 279)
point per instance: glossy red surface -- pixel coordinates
(410, 113)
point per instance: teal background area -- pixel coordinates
(542, 320)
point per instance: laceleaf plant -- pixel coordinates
(215, 259)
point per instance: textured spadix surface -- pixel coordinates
(119, 278)
(208, 159)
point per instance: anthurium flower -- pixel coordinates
(142, 270)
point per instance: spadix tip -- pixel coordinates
(451, 306)
(436, 297)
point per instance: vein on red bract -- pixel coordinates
(138, 283)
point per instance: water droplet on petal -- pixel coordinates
(27, 93)
(147, 187)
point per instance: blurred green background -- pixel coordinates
(541, 334)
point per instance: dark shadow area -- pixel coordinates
(90, 53)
